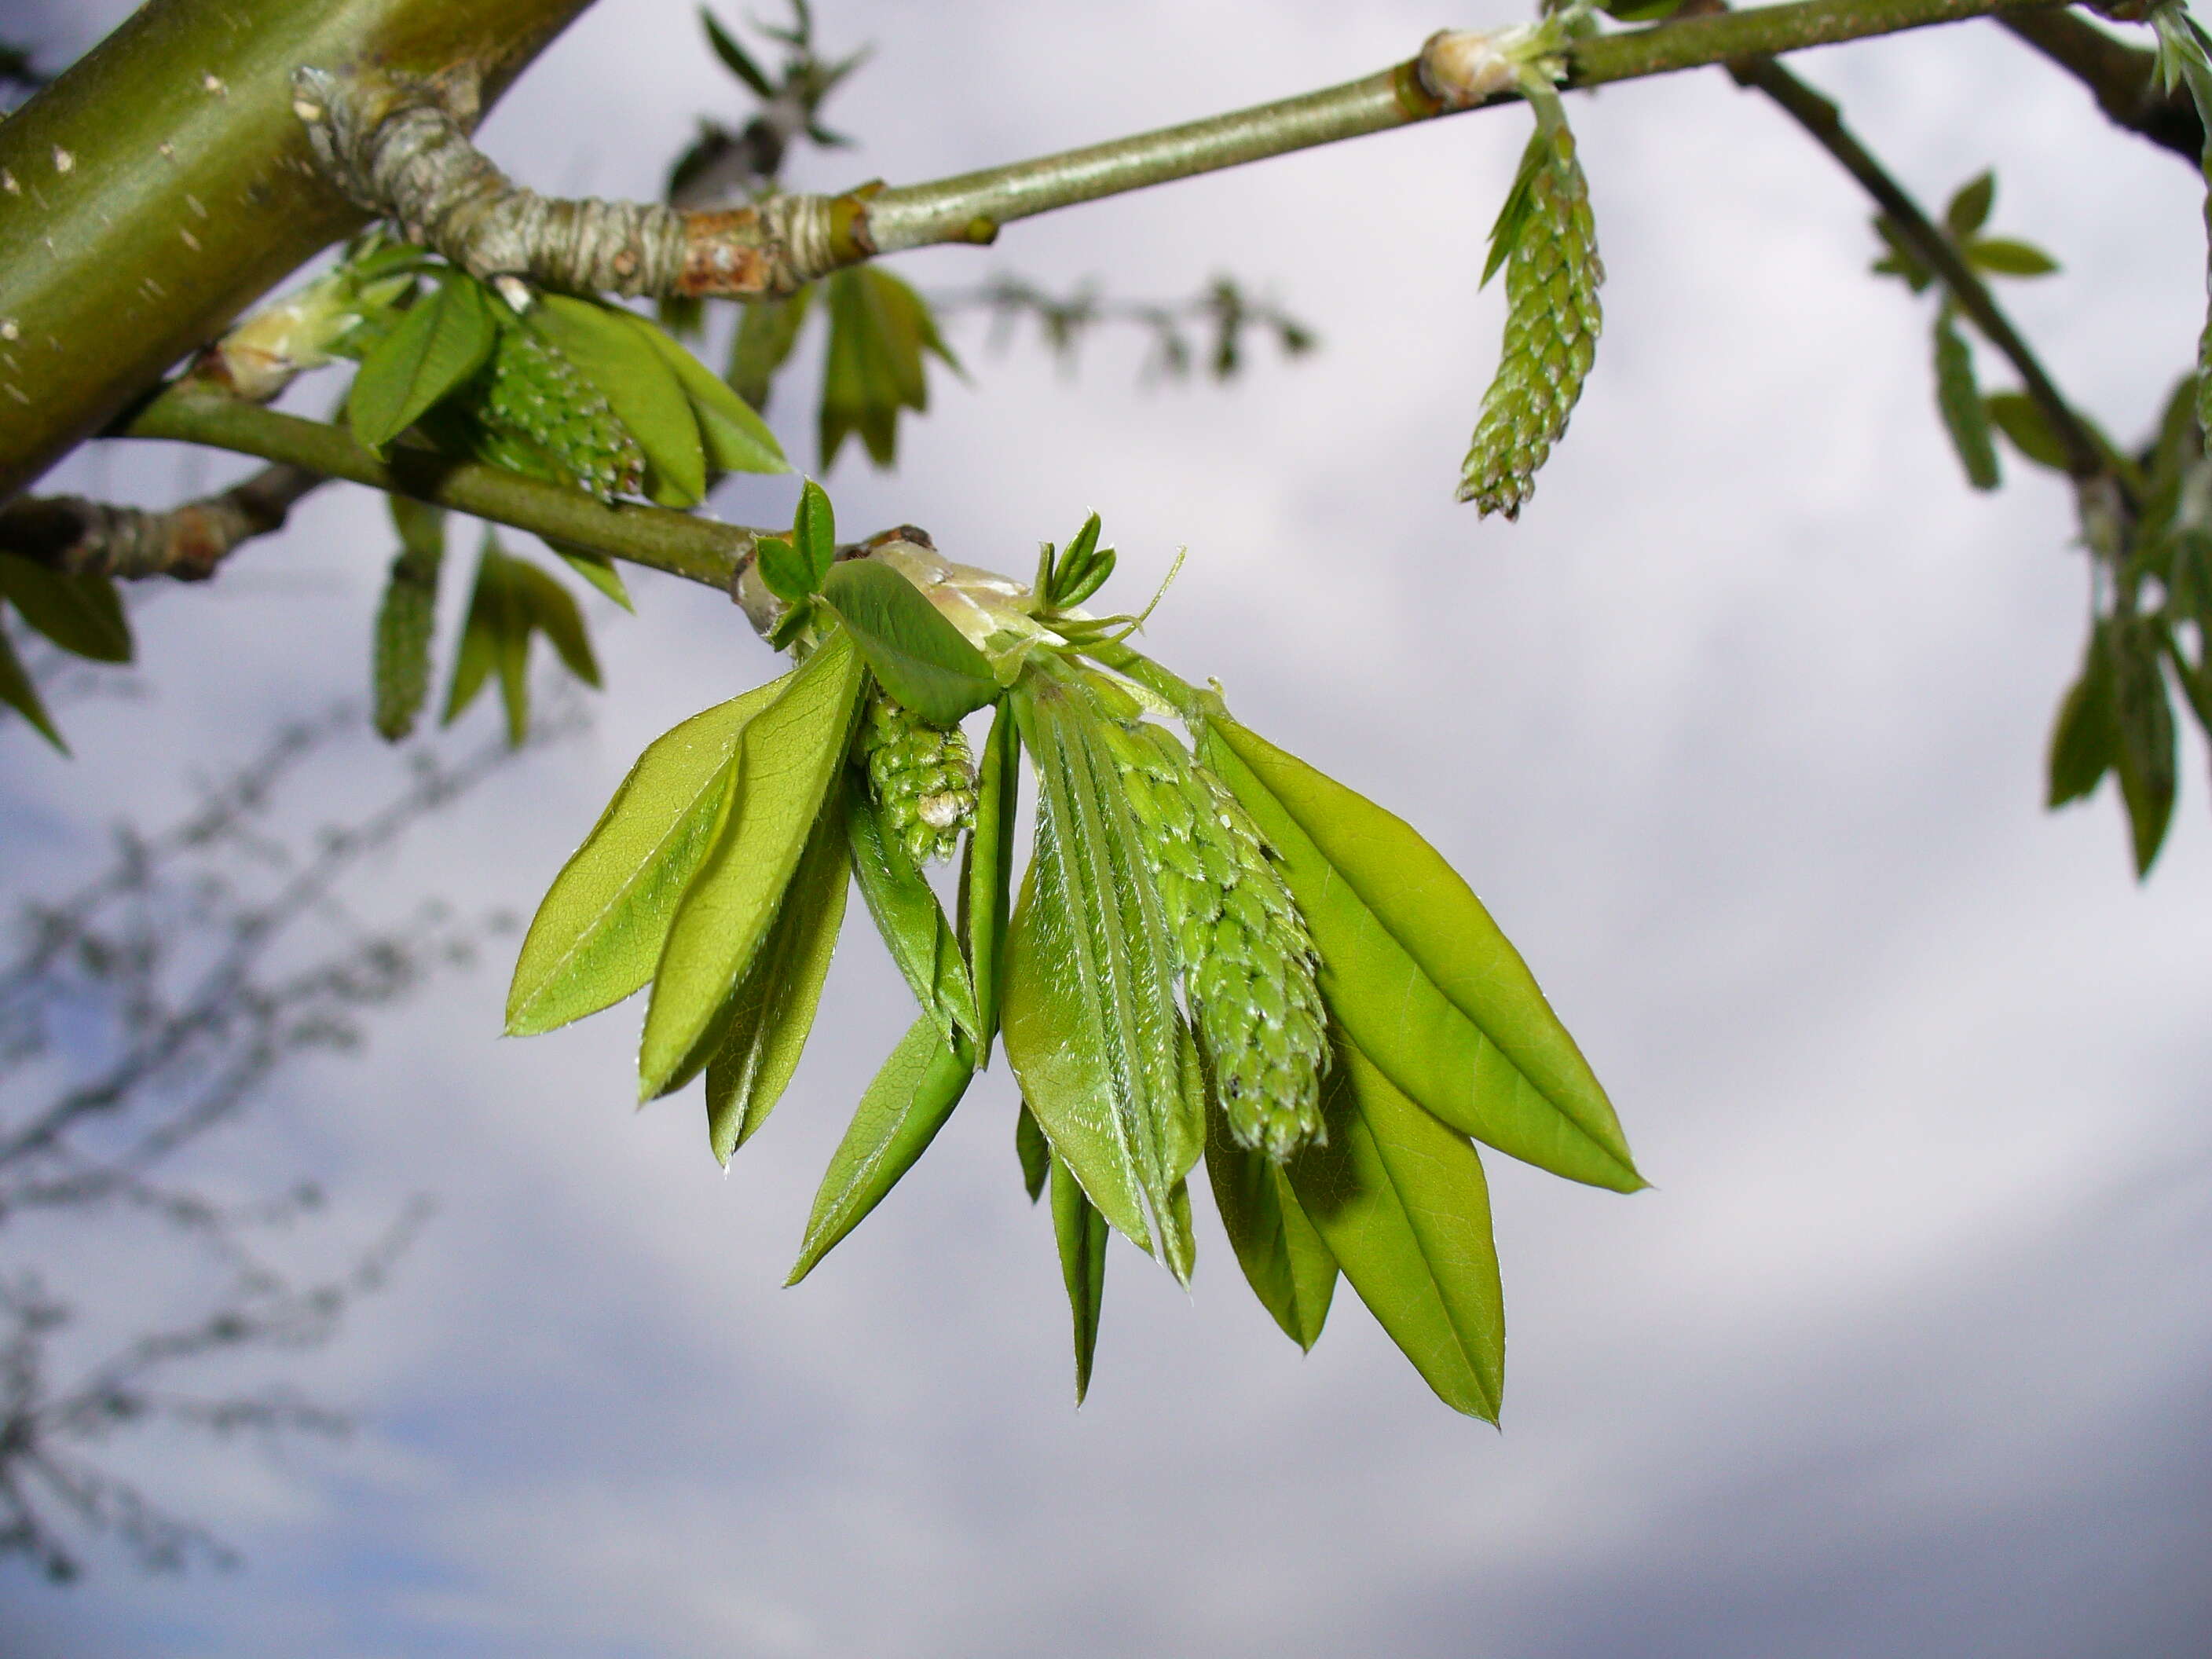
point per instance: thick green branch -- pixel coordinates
(2084, 456)
(699, 549)
(971, 207)
(162, 183)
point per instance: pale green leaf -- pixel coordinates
(908, 915)
(1419, 975)
(441, 341)
(1080, 1232)
(787, 758)
(814, 532)
(915, 652)
(600, 928)
(1401, 1201)
(768, 1021)
(736, 439)
(902, 1112)
(610, 348)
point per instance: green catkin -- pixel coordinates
(1246, 959)
(402, 659)
(536, 407)
(923, 776)
(1551, 324)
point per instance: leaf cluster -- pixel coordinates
(717, 877)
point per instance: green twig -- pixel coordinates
(698, 549)
(972, 207)
(2085, 456)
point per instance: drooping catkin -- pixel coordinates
(534, 394)
(1551, 324)
(923, 777)
(401, 673)
(1246, 959)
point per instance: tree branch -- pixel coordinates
(698, 549)
(2085, 456)
(400, 146)
(70, 533)
(2120, 76)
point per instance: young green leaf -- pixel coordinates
(1285, 1261)
(916, 653)
(768, 1021)
(783, 568)
(1091, 1024)
(440, 342)
(909, 918)
(595, 568)
(17, 691)
(2146, 760)
(986, 873)
(1071, 574)
(610, 349)
(787, 758)
(879, 330)
(1401, 1201)
(1969, 210)
(1080, 1232)
(1419, 975)
(2001, 256)
(1033, 1150)
(814, 532)
(80, 613)
(1960, 401)
(736, 439)
(1903, 261)
(553, 611)
(767, 331)
(2020, 418)
(901, 1114)
(495, 636)
(734, 56)
(2085, 739)
(599, 930)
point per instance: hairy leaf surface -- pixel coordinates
(1091, 1024)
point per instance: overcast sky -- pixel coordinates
(1740, 734)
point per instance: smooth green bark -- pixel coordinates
(163, 182)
